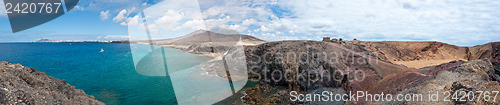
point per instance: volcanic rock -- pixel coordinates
(23, 85)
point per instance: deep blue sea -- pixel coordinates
(109, 76)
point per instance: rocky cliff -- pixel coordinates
(27, 86)
(312, 67)
(474, 75)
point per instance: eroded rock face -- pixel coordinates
(23, 85)
(475, 75)
(413, 51)
(379, 75)
(310, 66)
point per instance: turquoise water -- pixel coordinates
(109, 76)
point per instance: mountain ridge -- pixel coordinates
(409, 53)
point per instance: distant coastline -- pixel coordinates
(77, 41)
(177, 47)
(200, 42)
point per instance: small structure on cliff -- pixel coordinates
(334, 40)
(326, 39)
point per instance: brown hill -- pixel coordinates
(318, 62)
(456, 76)
(423, 54)
(336, 67)
(202, 36)
(490, 51)
(206, 42)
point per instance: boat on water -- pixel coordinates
(102, 50)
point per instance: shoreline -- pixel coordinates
(183, 48)
(206, 55)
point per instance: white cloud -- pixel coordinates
(312, 19)
(80, 8)
(195, 24)
(114, 37)
(240, 27)
(215, 24)
(214, 11)
(154, 28)
(248, 22)
(169, 20)
(237, 28)
(366, 20)
(131, 10)
(104, 15)
(100, 5)
(277, 25)
(395, 20)
(133, 20)
(122, 15)
(274, 36)
(123, 24)
(173, 18)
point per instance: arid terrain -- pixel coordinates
(391, 67)
(387, 67)
(424, 54)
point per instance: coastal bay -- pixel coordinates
(108, 76)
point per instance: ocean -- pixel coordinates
(110, 76)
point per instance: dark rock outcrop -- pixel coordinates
(310, 66)
(23, 85)
(475, 75)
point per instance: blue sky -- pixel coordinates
(464, 23)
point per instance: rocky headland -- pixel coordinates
(205, 43)
(312, 67)
(77, 41)
(21, 85)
